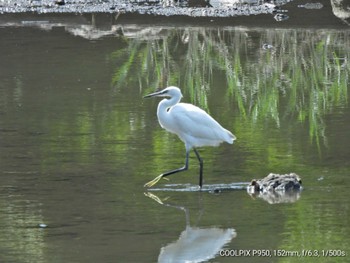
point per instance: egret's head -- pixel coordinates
(167, 92)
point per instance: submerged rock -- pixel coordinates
(281, 17)
(341, 9)
(277, 188)
(311, 6)
(277, 182)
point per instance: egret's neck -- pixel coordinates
(165, 104)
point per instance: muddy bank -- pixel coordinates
(300, 13)
(193, 8)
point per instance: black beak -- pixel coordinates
(154, 94)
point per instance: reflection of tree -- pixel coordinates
(145, 63)
(303, 76)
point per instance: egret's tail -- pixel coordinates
(230, 137)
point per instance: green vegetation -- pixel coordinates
(303, 76)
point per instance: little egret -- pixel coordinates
(193, 126)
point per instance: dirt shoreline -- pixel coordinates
(279, 13)
(147, 7)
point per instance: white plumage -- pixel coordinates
(194, 126)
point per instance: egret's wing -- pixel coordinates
(193, 122)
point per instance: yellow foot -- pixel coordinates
(154, 181)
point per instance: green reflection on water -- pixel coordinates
(311, 226)
(302, 77)
(299, 81)
(265, 96)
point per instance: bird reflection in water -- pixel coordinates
(194, 244)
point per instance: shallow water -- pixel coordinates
(78, 143)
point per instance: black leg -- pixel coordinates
(200, 167)
(184, 168)
(155, 180)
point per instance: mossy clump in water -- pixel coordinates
(276, 182)
(276, 188)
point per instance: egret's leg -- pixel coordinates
(155, 180)
(184, 168)
(200, 167)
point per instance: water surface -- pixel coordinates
(78, 142)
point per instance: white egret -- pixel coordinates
(194, 127)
